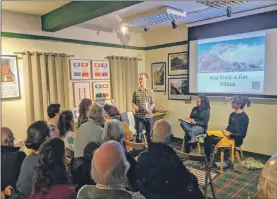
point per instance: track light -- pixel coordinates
(174, 26)
(146, 29)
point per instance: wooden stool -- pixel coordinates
(198, 143)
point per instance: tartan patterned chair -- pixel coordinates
(203, 160)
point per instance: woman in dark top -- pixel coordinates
(237, 127)
(84, 108)
(37, 134)
(50, 175)
(197, 124)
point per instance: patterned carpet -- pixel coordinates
(235, 183)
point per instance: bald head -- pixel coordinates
(109, 165)
(162, 132)
(7, 138)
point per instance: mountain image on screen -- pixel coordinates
(239, 55)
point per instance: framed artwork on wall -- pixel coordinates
(81, 90)
(80, 69)
(178, 88)
(178, 64)
(101, 91)
(10, 86)
(158, 73)
(100, 70)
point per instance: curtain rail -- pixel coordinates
(39, 53)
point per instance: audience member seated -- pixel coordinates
(109, 167)
(161, 174)
(84, 108)
(237, 127)
(37, 134)
(65, 125)
(91, 131)
(197, 124)
(267, 188)
(53, 111)
(81, 167)
(113, 130)
(11, 159)
(50, 175)
(111, 112)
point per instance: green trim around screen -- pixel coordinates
(91, 43)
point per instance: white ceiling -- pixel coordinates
(195, 12)
(32, 7)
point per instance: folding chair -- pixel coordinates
(202, 159)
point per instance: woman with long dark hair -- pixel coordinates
(197, 123)
(65, 125)
(237, 125)
(51, 177)
(37, 134)
(84, 108)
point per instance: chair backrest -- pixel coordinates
(185, 156)
(135, 145)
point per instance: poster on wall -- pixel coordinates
(80, 69)
(178, 88)
(100, 70)
(177, 64)
(75, 112)
(81, 90)
(10, 88)
(158, 76)
(101, 90)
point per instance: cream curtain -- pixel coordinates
(124, 74)
(45, 81)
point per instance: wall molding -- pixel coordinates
(91, 43)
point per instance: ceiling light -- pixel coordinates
(154, 16)
(123, 29)
(173, 24)
(220, 4)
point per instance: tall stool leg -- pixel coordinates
(221, 161)
(198, 146)
(182, 150)
(241, 154)
(238, 158)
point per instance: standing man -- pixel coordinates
(143, 103)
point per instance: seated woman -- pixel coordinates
(237, 127)
(84, 108)
(50, 175)
(65, 125)
(197, 124)
(111, 112)
(37, 134)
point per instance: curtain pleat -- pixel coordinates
(60, 82)
(28, 89)
(44, 84)
(37, 87)
(124, 72)
(52, 78)
(64, 62)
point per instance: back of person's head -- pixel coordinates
(109, 165)
(267, 187)
(7, 138)
(113, 130)
(50, 169)
(37, 134)
(65, 123)
(242, 101)
(84, 106)
(205, 103)
(162, 132)
(113, 112)
(53, 110)
(97, 113)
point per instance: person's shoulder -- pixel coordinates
(136, 195)
(67, 191)
(84, 190)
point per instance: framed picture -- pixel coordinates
(10, 87)
(76, 114)
(178, 64)
(80, 69)
(101, 91)
(100, 70)
(81, 90)
(178, 88)
(158, 71)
